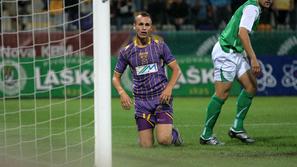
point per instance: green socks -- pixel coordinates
(213, 112)
(244, 102)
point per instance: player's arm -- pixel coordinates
(250, 13)
(125, 99)
(176, 72)
(245, 40)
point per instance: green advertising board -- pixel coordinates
(53, 77)
(196, 78)
(48, 74)
(43, 77)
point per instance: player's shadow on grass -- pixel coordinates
(280, 141)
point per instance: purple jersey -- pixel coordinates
(147, 65)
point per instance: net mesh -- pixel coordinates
(46, 83)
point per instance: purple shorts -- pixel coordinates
(150, 112)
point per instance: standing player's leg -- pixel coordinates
(224, 74)
(213, 111)
(244, 101)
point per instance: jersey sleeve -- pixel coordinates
(121, 63)
(167, 55)
(249, 15)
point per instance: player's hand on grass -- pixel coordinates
(166, 96)
(125, 101)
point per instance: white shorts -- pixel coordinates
(227, 66)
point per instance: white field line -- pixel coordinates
(186, 126)
(221, 125)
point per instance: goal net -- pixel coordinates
(46, 83)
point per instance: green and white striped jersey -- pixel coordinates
(229, 37)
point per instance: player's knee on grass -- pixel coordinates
(146, 138)
(146, 143)
(164, 139)
(164, 134)
(164, 127)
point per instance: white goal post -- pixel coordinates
(102, 84)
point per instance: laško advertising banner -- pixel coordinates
(56, 66)
(279, 77)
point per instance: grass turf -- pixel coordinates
(271, 121)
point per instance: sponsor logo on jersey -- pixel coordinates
(146, 69)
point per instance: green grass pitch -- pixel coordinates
(272, 121)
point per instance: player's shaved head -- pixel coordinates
(141, 14)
